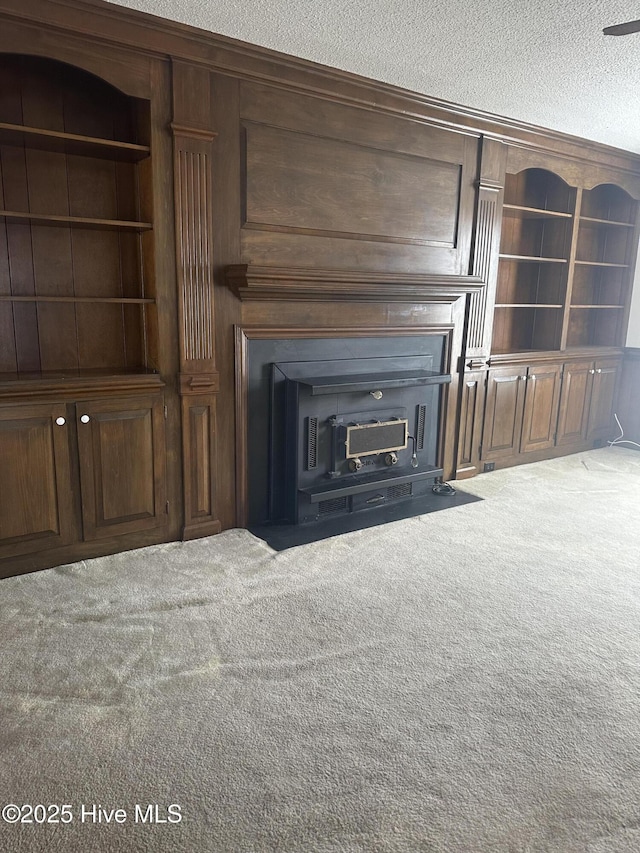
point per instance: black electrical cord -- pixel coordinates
(443, 489)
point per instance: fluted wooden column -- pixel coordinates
(484, 264)
(193, 140)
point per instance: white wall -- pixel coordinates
(633, 334)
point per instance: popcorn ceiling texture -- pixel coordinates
(541, 62)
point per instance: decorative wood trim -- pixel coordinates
(194, 228)
(481, 266)
(191, 132)
(486, 245)
(199, 454)
(200, 383)
(552, 356)
(260, 283)
(73, 386)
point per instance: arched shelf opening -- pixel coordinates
(535, 247)
(76, 213)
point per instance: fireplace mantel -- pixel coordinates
(250, 282)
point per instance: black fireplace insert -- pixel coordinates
(352, 435)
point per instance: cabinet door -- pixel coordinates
(35, 485)
(122, 472)
(574, 402)
(603, 390)
(541, 407)
(472, 404)
(503, 412)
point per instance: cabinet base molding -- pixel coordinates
(78, 552)
(199, 531)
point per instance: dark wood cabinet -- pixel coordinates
(470, 429)
(121, 452)
(547, 408)
(541, 401)
(565, 272)
(118, 447)
(521, 410)
(506, 388)
(574, 403)
(604, 378)
(35, 476)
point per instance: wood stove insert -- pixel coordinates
(357, 434)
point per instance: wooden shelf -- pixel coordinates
(124, 300)
(75, 221)
(589, 307)
(533, 212)
(601, 264)
(609, 222)
(527, 305)
(71, 143)
(532, 259)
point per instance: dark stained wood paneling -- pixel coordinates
(540, 415)
(199, 439)
(328, 185)
(35, 496)
(470, 430)
(328, 118)
(603, 393)
(365, 194)
(503, 412)
(574, 402)
(122, 465)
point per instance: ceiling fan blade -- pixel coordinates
(622, 29)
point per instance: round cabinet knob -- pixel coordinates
(592, 370)
(533, 376)
(61, 421)
(377, 395)
(355, 464)
(599, 370)
(524, 378)
(84, 419)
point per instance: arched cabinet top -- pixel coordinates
(609, 202)
(128, 72)
(575, 173)
(539, 189)
(55, 97)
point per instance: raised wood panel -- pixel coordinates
(366, 194)
(540, 415)
(122, 465)
(35, 495)
(327, 117)
(324, 184)
(199, 439)
(574, 402)
(469, 436)
(603, 392)
(503, 412)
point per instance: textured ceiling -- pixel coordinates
(540, 61)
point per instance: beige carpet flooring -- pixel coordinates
(463, 682)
